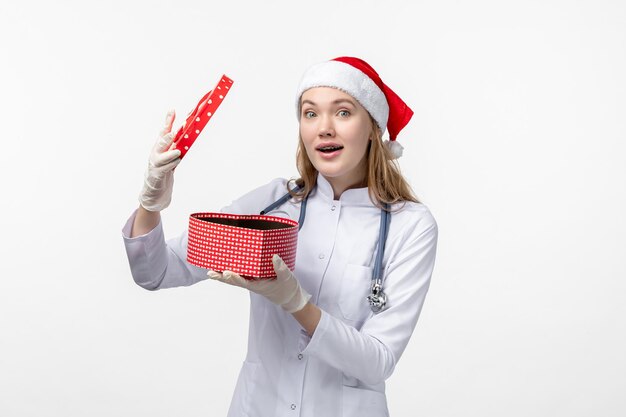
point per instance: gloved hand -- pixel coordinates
(284, 291)
(156, 193)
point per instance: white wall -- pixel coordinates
(516, 146)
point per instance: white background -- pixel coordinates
(516, 146)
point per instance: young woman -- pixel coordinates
(322, 338)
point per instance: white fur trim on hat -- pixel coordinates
(395, 148)
(347, 78)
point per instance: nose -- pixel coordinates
(326, 128)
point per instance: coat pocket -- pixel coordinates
(244, 389)
(359, 402)
(355, 287)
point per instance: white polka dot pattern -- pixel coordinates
(200, 116)
(246, 251)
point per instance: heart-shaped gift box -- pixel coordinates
(240, 243)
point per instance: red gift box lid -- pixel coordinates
(200, 116)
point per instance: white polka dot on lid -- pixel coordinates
(226, 87)
(197, 119)
(219, 88)
(186, 148)
(209, 114)
(221, 96)
(186, 136)
(197, 131)
(210, 101)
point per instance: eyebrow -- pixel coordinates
(338, 101)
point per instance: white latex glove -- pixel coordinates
(158, 184)
(284, 290)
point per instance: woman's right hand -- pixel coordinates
(156, 193)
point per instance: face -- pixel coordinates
(336, 132)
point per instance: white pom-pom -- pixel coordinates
(395, 148)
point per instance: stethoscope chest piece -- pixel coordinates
(377, 298)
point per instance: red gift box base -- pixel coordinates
(243, 244)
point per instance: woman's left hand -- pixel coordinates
(284, 290)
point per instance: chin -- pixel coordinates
(329, 172)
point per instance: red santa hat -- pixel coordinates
(357, 78)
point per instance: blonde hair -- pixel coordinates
(384, 180)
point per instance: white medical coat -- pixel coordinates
(340, 370)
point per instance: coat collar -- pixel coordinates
(350, 197)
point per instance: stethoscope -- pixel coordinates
(377, 298)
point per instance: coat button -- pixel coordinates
(293, 406)
(321, 256)
(300, 356)
(333, 208)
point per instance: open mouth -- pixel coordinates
(329, 149)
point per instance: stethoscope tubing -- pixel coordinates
(377, 298)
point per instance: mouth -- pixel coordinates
(329, 148)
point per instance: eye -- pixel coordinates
(344, 113)
(308, 114)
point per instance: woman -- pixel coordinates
(316, 346)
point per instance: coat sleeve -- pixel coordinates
(371, 353)
(156, 263)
